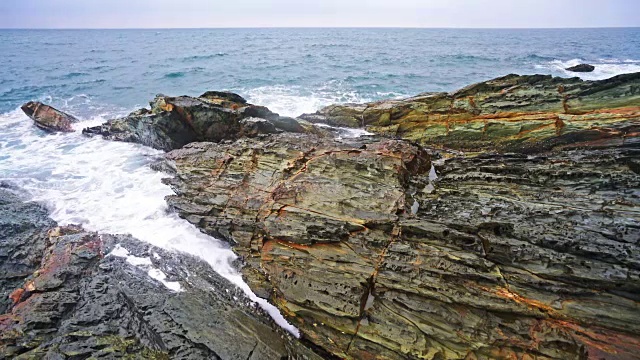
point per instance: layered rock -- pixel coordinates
(173, 122)
(373, 253)
(47, 118)
(513, 113)
(69, 293)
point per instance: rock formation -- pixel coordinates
(510, 114)
(47, 118)
(524, 246)
(173, 122)
(72, 294)
(500, 221)
(581, 68)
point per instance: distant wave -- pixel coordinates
(180, 74)
(72, 75)
(204, 57)
(535, 57)
(174, 75)
(465, 58)
(58, 43)
(605, 68)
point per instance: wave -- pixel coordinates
(180, 74)
(465, 58)
(535, 57)
(204, 57)
(296, 100)
(66, 172)
(174, 75)
(605, 68)
(72, 75)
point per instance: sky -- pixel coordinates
(318, 13)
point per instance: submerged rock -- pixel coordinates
(581, 68)
(512, 114)
(174, 122)
(69, 293)
(47, 118)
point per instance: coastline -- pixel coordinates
(356, 241)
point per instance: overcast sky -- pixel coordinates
(317, 13)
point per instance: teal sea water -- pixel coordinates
(292, 70)
(101, 74)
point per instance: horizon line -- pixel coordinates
(323, 27)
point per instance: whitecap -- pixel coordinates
(605, 68)
(295, 100)
(108, 187)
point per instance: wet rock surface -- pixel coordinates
(379, 248)
(511, 114)
(500, 221)
(72, 294)
(173, 122)
(47, 118)
(581, 68)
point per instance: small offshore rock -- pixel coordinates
(48, 118)
(581, 68)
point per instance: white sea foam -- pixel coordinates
(605, 68)
(146, 264)
(294, 100)
(108, 187)
(346, 133)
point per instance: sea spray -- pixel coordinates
(107, 187)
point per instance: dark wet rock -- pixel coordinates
(581, 68)
(514, 113)
(65, 297)
(47, 118)
(372, 253)
(252, 127)
(174, 122)
(23, 234)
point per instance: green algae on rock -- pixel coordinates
(502, 256)
(512, 113)
(525, 247)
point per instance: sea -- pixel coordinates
(98, 75)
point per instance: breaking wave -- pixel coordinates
(108, 187)
(605, 68)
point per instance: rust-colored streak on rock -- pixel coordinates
(602, 343)
(516, 249)
(16, 295)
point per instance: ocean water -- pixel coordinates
(101, 74)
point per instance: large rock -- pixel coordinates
(513, 113)
(47, 118)
(374, 254)
(174, 122)
(72, 294)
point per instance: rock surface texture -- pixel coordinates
(510, 114)
(173, 122)
(47, 118)
(581, 68)
(525, 246)
(72, 294)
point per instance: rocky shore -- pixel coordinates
(500, 221)
(71, 294)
